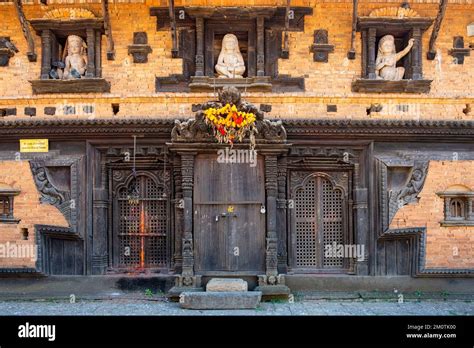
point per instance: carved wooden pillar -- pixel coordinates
(271, 188)
(90, 72)
(98, 56)
(447, 211)
(45, 53)
(199, 46)
(416, 55)
(470, 212)
(260, 46)
(100, 212)
(178, 216)
(371, 53)
(361, 217)
(282, 216)
(187, 172)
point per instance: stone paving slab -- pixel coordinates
(157, 308)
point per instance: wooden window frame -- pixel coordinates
(8, 195)
(466, 199)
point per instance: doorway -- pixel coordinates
(229, 216)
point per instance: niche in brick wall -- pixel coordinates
(71, 52)
(403, 25)
(199, 36)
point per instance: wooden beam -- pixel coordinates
(437, 25)
(352, 53)
(108, 30)
(174, 36)
(31, 54)
(285, 52)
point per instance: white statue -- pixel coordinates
(387, 58)
(230, 63)
(76, 59)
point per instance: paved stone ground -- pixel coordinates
(305, 307)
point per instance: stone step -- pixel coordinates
(227, 284)
(220, 300)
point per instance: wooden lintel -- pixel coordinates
(108, 30)
(436, 27)
(31, 54)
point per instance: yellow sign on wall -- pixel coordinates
(34, 145)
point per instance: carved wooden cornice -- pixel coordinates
(85, 128)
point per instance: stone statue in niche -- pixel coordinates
(76, 59)
(230, 63)
(387, 58)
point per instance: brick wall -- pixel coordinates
(133, 85)
(446, 247)
(27, 207)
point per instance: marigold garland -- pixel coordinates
(229, 124)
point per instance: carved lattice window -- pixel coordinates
(318, 222)
(143, 225)
(458, 208)
(6, 206)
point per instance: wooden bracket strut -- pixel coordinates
(108, 30)
(436, 27)
(174, 36)
(352, 53)
(31, 54)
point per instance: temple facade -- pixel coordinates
(256, 139)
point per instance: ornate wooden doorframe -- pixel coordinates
(320, 218)
(322, 160)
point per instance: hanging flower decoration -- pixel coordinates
(229, 124)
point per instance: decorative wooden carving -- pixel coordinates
(436, 27)
(458, 51)
(271, 188)
(31, 54)
(262, 28)
(108, 30)
(7, 50)
(50, 194)
(140, 48)
(187, 177)
(196, 129)
(321, 48)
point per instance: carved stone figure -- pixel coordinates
(230, 63)
(387, 58)
(76, 59)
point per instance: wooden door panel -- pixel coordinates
(210, 239)
(234, 193)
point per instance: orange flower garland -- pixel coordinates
(230, 124)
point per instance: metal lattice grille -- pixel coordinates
(143, 225)
(331, 209)
(318, 222)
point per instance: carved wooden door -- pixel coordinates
(229, 225)
(319, 220)
(140, 221)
